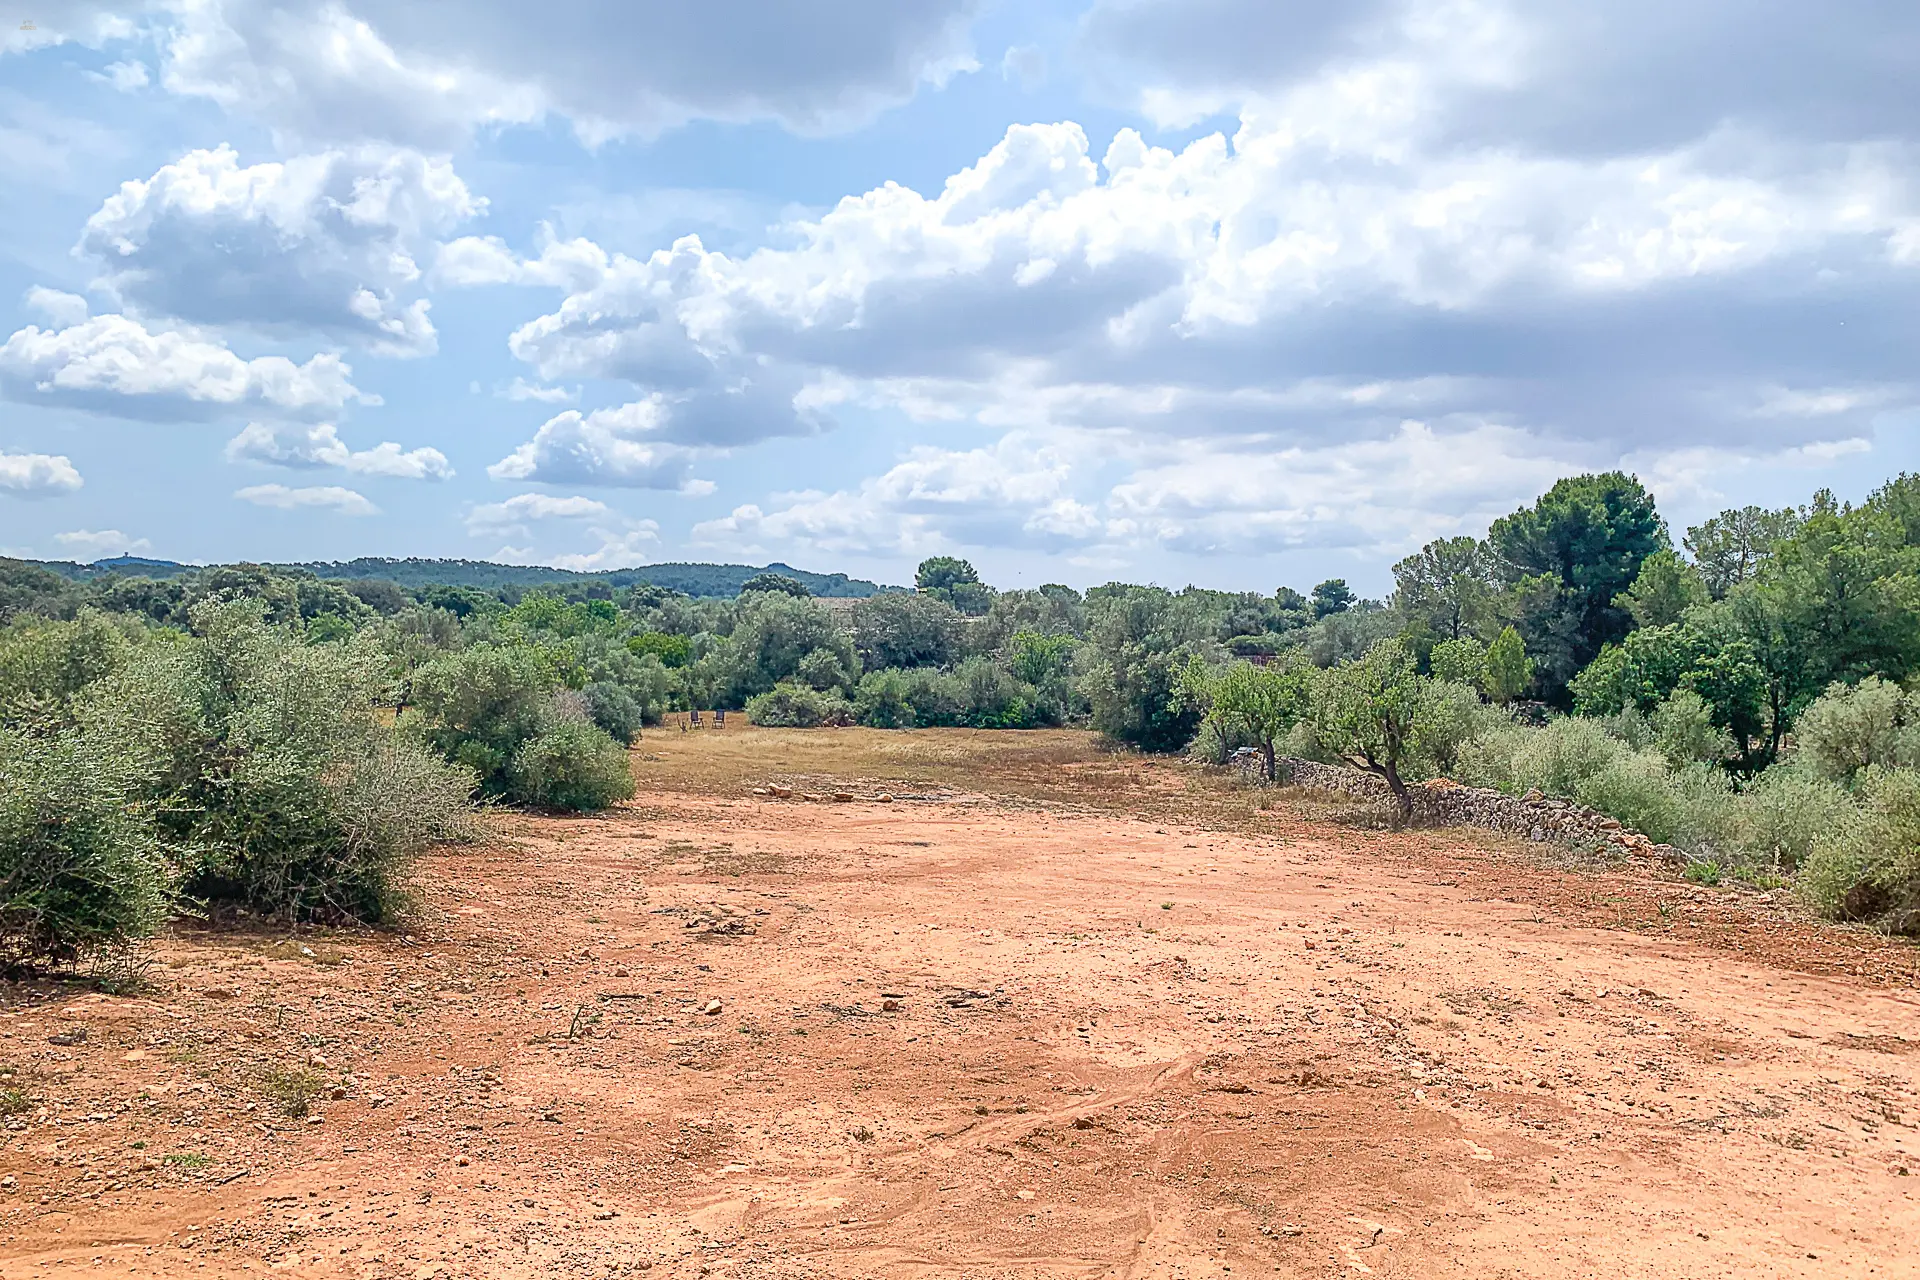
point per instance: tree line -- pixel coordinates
(1746, 693)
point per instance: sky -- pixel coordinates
(1245, 293)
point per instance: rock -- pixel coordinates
(783, 793)
(463, 1161)
(710, 1008)
(1534, 795)
(71, 1036)
(889, 1006)
(762, 791)
(8, 1183)
(885, 797)
(337, 1092)
(842, 797)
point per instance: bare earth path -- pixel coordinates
(992, 1031)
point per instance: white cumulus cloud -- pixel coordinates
(114, 364)
(322, 244)
(620, 446)
(333, 498)
(37, 475)
(384, 69)
(309, 447)
(87, 545)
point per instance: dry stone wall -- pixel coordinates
(1443, 802)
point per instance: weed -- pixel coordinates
(187, 1159)
(1707, 873)
(291, 1089)
(12, 1101)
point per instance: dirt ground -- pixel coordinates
(1046, 1013)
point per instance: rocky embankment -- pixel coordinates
(1443, 802)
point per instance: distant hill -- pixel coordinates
(713, 580)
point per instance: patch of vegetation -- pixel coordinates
(291, 1090)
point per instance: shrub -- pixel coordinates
(1870, 868)
(80, 867)
(1685, 733)
(477, 706)
(671, 650)
(570, 764)
(1846, 729)
(797, 706)
(270, 768)
(614, 711)
(1560, 755)
(1785, 812)
(44, 664)
(881, 701)
(1462, 661)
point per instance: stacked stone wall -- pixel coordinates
(1443, 802)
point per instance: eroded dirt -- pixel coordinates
(978, 1036)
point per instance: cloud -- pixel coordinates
(1558, 75)
(318, 245)
(618, 446)
(521, 389)
(113, 364)
(309, 447)
(620, 542)
(333, 498)
(512, 515)
(37, 475)
(1015, 494)
(387, 70)
(62, 310)
(88, 545)
(1025, 63)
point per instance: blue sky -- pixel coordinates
(1238, 292)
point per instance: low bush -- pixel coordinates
(81, 872)
(1785, 812)
(1846, 729)
(570, 764)
(798, 706)
(614, 711)
(1869, 868)
(270, 769)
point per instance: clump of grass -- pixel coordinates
(291, 1090)
(13, 1101)
(187, 1159)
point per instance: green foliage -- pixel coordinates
(476, 707)
(1685, 731)
(901, 630)
(772, 635)
(31, 590)
(570, 764)
(1138, 643)
(798, 706)
(775, 582)
(1369, 712)
(956, 582)
(1448, 585)
(1567, 557)
(826, 670)
(1331, 597)
(1869, 869)
(672, 651)
(1461, 661)
(614, 711)
(270, 770)
(1509, 670)
(81, 871)
(1786, 812)
(1731, 548)
(1848, 729)
(44, 664)
(1664, 590)
(1255, 704)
